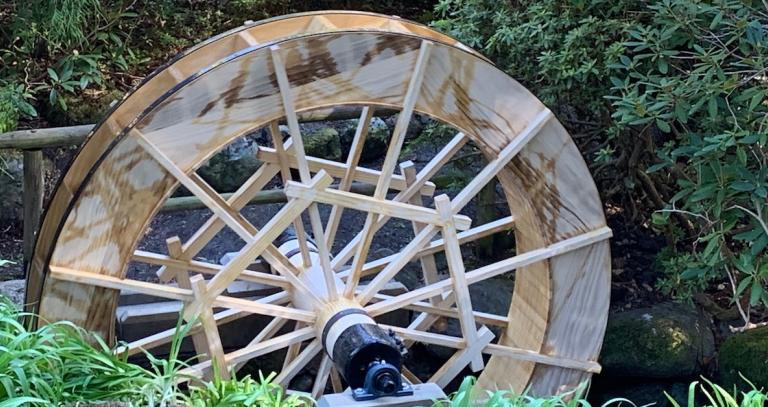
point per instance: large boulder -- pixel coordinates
(665, 341)
(13, 290)
(324, 143)
(232, 166)
(376, 141)
(745, 353)
(11, 176)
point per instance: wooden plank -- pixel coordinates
(254, 276)
(500, 225)
(496, 349)
(200, 340)
(338, 170)
(211, 331)
(32, 200)
(428, 264)
(353, 157)
(256, 350)
(374, 205)
(429, 170)
(321, 378)
(293, 350)
(258, 244)
(285, 174)
(458, 203)
(176, 293)
(446, 311)
(166, 336)
(293, 125)
(504, 157)
(458, 276)
(456, 363)
(388, 167)
(492, 270)
(293, 368)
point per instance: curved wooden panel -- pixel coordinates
(191, 110)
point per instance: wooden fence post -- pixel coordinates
(32, 199)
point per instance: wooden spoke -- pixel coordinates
(257, 245)
(293, 350)
(339, 170)
(427, 308)
(267, 333)
(358, 142)
(457, 271)
(166, 336)
(209, 268)
(293, 368)
(462, 358)
(428, 264)
(252, 186)
(321, 378)
(252, 351)
(217, 205)
(410, 376)
(374, 205)
(492, 270)
(285, 172)
(500, 225)
(388, 167)
(199, 339)
(457, 204)
(211, 331)
(293, 125)
(176, 293)
(336, 381)
(496, 349)
(432, 167)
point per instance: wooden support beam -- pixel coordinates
(249, 352)
(353, 157)
(176, 293)
(371, 204)
(428, 264)
(458, 276)
(254, 276)
(211, 331)
(321, 378)
(495, 349)
(199, 339)
(258, 244)
(492, 270)
(426, 173)
(338, 170)
(463, 357)
(32, 200)
(286, 94)
(484, 318)
(293, 368)
(285, 174)
(388, 167)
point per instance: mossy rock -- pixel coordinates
(745, 353)
(323, 143)
(664, 342)
(84, 108)
(376, 142)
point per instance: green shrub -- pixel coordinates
(666, 100)
(693, 81)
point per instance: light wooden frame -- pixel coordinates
(558, 312)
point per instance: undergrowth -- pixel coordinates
(61, 364)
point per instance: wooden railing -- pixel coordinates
(31, 143)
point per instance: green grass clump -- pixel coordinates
(62, 364)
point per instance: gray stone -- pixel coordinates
(13, 290)
(666, 341)
(745, 354)
(11, 176)
(229, 169)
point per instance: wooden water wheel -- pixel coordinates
(285, 70)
